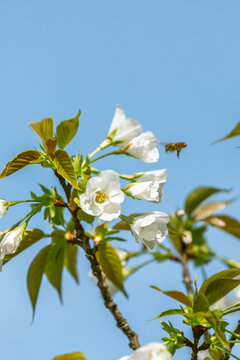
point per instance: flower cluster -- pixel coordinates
(103, 194)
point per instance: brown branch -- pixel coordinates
(83, 241)
(186, 276)
(197, 333)
(232, 338)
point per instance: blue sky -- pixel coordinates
(174, 66)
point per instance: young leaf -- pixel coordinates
(35, 274)
(54, 264)
(20, 161)
(111, 264)
(64, 166)
(72, 356)
(51, 144)
(198, 195)
(230, 274)
(43, 128)
(66, 130)
(234, 132)
(30, 237)
(176, 295)
(209, 209)
(200, 303)
(225, 223)
(218, 288)
(170, 312)
(70, 260)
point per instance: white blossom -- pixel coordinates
(144, 147)
(149, 186)
(103, 196)
(3, 207)
(152, 351)
(10, 243)
(150, 227)
(125, 128)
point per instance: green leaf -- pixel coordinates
(233, 133)
(30, 237)
(70, 260)
(176, 295)
(230, 273)
(170, 312)
(209, 209)
(43, 128)
(35, 274)
(225, 223)
(111, 264)
(66, 130)
(218, 288)
(54, 264)
(20, 161)
(198, 195)
(200, 303)
(64, 166)
(72, 356)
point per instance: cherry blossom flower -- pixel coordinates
(150, 227)
(151, 351)
(149, 186)
(103, 196)
(144, 147)
(123, 129)
(10, 243)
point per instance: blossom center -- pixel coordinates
(101, 196)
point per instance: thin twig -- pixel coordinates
(186, 276)
(83, 241)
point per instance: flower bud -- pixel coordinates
(3, 207)
(187, 237)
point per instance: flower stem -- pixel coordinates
(116, 152)
(103, 145)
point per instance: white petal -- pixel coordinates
(89, 207)
(118, 118)
(111, 211)
(117, 197)
(110, 180)
(144, 147)
(156, 175)
(152, 351)
(127, 128)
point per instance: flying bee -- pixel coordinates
(175, 147)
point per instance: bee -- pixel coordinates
(175, 147)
